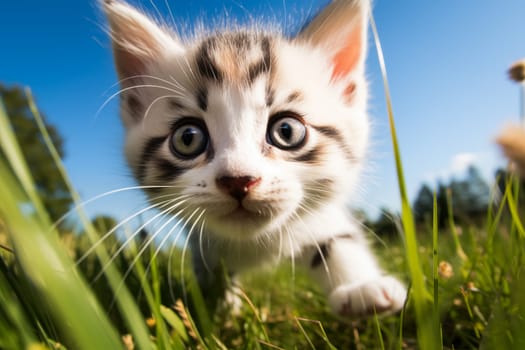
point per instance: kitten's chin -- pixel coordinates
(241, 223)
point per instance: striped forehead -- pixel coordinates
(234, 58)
(236, 114)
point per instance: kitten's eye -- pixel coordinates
(189, 139)
(287, 131)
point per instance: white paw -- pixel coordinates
(382, 296)
(232, 300)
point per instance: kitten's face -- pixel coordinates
(252, 131)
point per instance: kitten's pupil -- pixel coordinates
(286, 131)
(187, 136)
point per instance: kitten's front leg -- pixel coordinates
(218, 284)
(355, 285)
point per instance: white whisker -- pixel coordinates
(167, 235)
(140, 76)
(146, 244)
(137, 231)
(79, 205)
(192, 77)
(201, 248)
(186, 220)
(292, 255)
(146, 113)
(280, 252)
(183, 256)
(110, 232)
(108, 100)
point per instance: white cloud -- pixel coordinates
(457, 167)
(462, 161)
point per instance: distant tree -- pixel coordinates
(104, 223)
(424, 204)
(385, 225)
(442, 200)
(465, 199)
(49, 183)
(470, 196)
(501, 177)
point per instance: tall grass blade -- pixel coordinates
(435, 266)
(65, 294)
(127, 305)
(14, 326)
(15, 158)
(453, 228)
(153, 299)
(427, 336)
(512, 202)
(379, 334)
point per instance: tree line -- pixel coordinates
(49, 183)
(459, 201)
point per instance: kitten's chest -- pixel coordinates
(239, 255)
(284, 243)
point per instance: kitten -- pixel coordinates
(258, 139)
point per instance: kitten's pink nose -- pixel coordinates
(237, 186)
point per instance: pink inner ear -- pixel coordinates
(127, 63)
(346, 58)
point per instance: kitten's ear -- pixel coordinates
(341, 30)
(137, 39)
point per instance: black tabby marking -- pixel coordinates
(167, 170)
(210, 152)
(294, 96)
(324, 182)
(176, 105)
(323, 251)
(151, 147)
(344, 236)
(206, 65)
(264, 65)
(241, 40)
(270, 96)
(202, 99)
(334, 134)
(312, 156)
(321, 254)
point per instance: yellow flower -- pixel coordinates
(445, 270)
(127, 339)
(472, 287)
(151, 322)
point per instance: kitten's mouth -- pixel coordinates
(245, 220)
(241, 212)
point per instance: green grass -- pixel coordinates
(50, 302)
(429, 336)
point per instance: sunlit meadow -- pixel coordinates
(85, 289)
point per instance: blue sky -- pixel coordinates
(446, 62)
